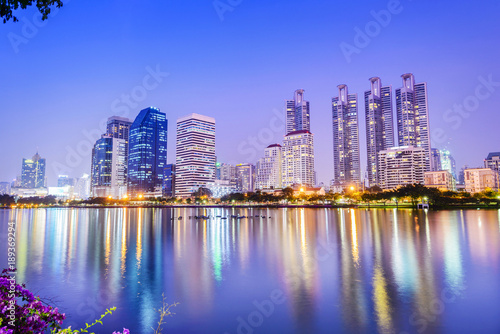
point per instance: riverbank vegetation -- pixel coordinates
(407, 196)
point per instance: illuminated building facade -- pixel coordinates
(379, 124)
(269, 168)
(298, 159)
(147, 156)
(346, 160)
(480, 179)
(413, 116)
(109, 176)
(33, 173)
(195, 153)
(400, 166)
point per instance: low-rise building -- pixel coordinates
(480, 179)
(442, 180)
(400, 166)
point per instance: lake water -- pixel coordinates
(299, 271)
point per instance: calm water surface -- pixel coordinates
(300, 271)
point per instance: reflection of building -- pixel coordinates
(195, 153)
(400, 166)
(442, 180)
(4, 188)
(147, 153)
(480, 179)
(298, 159)
(33, 172)
(269, 169)
(346, 161)
(435, 160)
(169, 181)
(492, 161)
(413, 116)
(245, 178)
(109, 176)
(379, 124)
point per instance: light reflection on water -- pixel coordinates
(340, 270)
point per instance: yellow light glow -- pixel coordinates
(140, 196)
(352, 188)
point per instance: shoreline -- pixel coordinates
(262, 206)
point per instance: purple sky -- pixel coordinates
(60, 80)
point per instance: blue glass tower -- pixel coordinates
(147, 153)
(169, 181)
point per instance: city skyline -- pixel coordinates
(241, 67)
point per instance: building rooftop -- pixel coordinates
(298, 132)
(493, 154)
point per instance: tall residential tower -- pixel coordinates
(413, 116)
(346, 137)
(379, 124)
(195, 153)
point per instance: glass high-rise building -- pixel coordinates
(169, 181)
(109, 177)
(379, 124)
(245, 178)
(435, 160)
(413, 116)
(33, 172)
(448, 162)
(147, 155)
(195, 154)
(346, 137)
(297, 113)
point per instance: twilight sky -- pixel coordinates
(239, 63)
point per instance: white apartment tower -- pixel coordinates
(413, 116)
(379, 124)
(346, 161)
(399, 166)
(269, 168)
(298, 159)
(195, 153)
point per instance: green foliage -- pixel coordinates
(7, 7)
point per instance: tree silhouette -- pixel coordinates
(7, 7)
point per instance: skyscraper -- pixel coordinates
(448, 162)
(297, 113)
(413, 116)
(226, 172)
(147, 156)
(379, 124)
(119, 127)
(195, 153)
(435, 160)
(109, 177)
(346, 137)
(65, 180)
(269, 168)
(492, 161)
(33, 172)
(169, 181)
(298, 159)
(245, 176)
